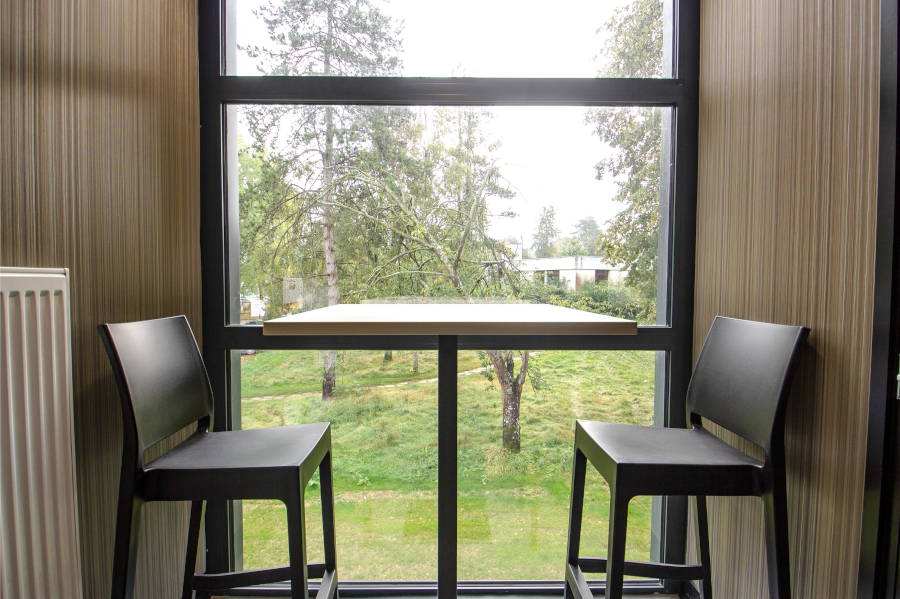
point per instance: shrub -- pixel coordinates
(614, 300)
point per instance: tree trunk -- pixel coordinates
(328, 243)
(512, 439)
(415, 362)
(511, 385)
(329, 250)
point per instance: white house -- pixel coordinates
(253, 308)
(572, 271)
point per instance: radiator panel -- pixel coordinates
(38, 520)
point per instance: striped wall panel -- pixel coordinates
(785, 233)
(99, 155)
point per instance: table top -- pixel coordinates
(448, 319)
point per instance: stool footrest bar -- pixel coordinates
(645, 569)
(247, 578)
(229, 580)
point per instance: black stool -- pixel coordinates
(740, 383)
(164, 387)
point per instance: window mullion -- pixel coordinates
(449, 91)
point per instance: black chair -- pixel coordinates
(164, 388)
(740, 382)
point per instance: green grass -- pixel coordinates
(513, 508)
(288, 372)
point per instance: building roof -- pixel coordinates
(564, 263)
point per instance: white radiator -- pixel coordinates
(39, 554)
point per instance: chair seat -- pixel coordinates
(261, 463)
(670, 461)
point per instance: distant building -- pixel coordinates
(572, 271)
(253, 308)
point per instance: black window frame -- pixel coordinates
(219, 247)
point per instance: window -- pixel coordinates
(459, 38)
(347, 147)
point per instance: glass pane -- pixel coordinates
(350, 204)
(383, 415)
(512, 504)
(515, 473)
(462, 38)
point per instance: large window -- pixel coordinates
(341, 203)
(400, 150)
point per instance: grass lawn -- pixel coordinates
(289, 372)
(513, 508)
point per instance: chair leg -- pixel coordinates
(615, 559)
(703, 544)
(576, 507)
(128, 521)
(777, 553)
(326, 486)
(190, 560)
(297, 544)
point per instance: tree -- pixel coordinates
(587, 231)
(320, 37)
(571, 246)
(583, 241)
(433, 211)
(634, 49)
(546, 233)
(276, 229)
(431, 202)
(393, 213)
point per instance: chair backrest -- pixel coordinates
(161, 377)
(742, 376)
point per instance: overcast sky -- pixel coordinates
(546, 154)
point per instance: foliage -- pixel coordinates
(601, 298)
(571, 246)
(587, 231)
(367, 202)
(438, 223)
(326, 37)
(583, 241)
(634, 49)
(429, 205)
(408, 214)
(414, 220)
(546, 233)
(320, 37)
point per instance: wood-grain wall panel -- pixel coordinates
(785, 233)
(100, 158)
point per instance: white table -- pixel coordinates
(447, 322)
(448, 319)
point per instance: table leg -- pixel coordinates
(447, 380)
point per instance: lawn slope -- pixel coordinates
(513, 508)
